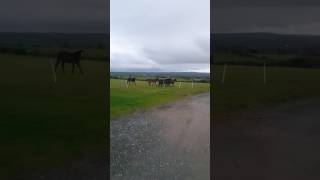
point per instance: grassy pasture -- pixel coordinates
(44, 124)
(125, 100)
(244, 88)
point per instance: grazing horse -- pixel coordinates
(131, 80)
(68, 57)
(169, 82)
(152, 82)
(161, 82)
(173, 81)
(166, 82)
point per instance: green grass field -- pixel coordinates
(126, 100)
(244, 88)
(46, 124)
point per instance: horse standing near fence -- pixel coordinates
(169, 82)
(152, 82)
(69, 57)
(166, 82)
(131, 80)
(161, 82)
(172, 82)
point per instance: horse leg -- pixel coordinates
(72, 68)
(62, 65)
(79, 66)
(56, 66)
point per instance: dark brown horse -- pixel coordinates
(169, 82)
(131, 80)
(69, 57)
(152, 82)
(161, 82)
(166, 82)
(172, 81)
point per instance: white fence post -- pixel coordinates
(53, 71)
(126, 83)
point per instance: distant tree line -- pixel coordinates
(298, 61)
(185, 79)
(19, 51)
(38, 52)
(243, 51)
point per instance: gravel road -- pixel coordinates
(168, 142)
(276, 144)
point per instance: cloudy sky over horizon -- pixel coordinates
(166, 35)
(275, 16)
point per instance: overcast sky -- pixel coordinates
(166, 35)
(277, 16)
(85, 16)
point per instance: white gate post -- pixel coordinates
(53, 71)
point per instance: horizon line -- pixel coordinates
(261, 32)
(157, 72)
(36, 32)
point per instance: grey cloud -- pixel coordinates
(54, 15)
(197, 53)
(301, 20)
(166, 35)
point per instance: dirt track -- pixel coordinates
(281, 143)
(169, 142)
